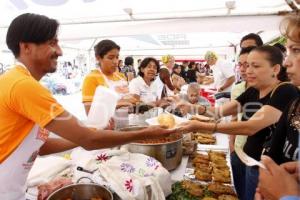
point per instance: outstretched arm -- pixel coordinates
(258, 121)
(229, 108)
(69, 128)
(56, 145)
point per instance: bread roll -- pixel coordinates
(166, 119)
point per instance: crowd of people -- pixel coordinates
(264, 104)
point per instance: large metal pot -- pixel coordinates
(169, 153)
(81, 191)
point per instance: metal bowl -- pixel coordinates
(81, 191)
(169, 154)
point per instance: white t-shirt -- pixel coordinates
(139, 87)
(222, 70)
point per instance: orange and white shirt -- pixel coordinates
(26, 107)
(96, 78)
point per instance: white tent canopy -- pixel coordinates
(156, 27)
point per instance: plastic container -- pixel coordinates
(103, 107)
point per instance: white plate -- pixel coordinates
(178, 120)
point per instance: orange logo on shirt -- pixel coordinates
(43, 134)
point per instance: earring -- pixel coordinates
(273, 76)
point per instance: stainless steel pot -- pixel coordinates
(169, 153)
(81, 191)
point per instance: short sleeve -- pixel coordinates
(35, 102)
(89, 86)
(133, 87)
(227, 69)
(122, 76)
(244, 97)
(282, 95)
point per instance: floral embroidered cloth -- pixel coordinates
(130, 175)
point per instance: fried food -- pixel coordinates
(204, 138)
(220, 162)
(203, 168)
(201, 118)
(216, 153)
(203, 176)
(166, 119)
(202, 165)
(223, 172)
(196, 191)
(186, 184)
(201, 156)
(204, 135)
(222, 166)
(192, 188)
(219, 189)
(200, 160)
(227, 197)
(218, 177)
(193, 155)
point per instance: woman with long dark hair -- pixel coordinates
(261, 104)
(277, 181)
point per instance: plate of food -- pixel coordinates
(166, 119)
(208, 167)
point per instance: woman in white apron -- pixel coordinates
(107, 55)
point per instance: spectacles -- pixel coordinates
(245, 64)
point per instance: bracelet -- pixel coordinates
(205, 109)
(215, 127)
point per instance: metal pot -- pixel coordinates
(81, 191)
(169, 153)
